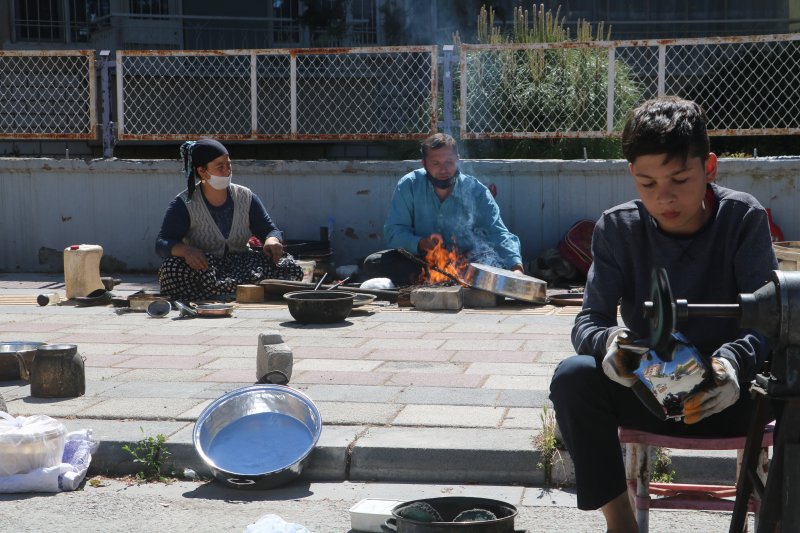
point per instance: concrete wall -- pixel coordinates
(48, 204)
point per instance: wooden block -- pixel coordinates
(248, 294)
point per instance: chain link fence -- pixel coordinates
(747, 85)
(312, 94)
(47, 95)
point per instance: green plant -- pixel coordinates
(151, 453)
(549, 91)
(662, 471)
(548, 445)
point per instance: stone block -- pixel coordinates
(479, 298)
(270, 336)
(437, 298)
(272, 357)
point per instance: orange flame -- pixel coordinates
(450, 261)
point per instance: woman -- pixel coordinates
(205, 233)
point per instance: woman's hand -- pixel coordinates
(273, 249)
(194, 257)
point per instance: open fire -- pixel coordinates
(450, 261)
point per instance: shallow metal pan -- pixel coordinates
(214, 310)
(258, 437)
(506, 283)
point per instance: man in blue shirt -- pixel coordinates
(437, 204)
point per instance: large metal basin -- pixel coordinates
(9, 362)
(258, 437)
(506, 283)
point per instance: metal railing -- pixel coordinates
(301, 94)
(48, 95)
(747, 85)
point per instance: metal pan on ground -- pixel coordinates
(186, 310)
(319, 307)
(567, 299)
(214, 310)
(158, 308)
(139, 301)
(258, 437)
(363, 299)
(279, 287)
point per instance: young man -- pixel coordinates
(439, 204)
(714, 244)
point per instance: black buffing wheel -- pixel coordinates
(662, 321)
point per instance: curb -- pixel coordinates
(379, 454)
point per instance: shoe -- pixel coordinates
(98, 297)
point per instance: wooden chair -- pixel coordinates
(646, 495)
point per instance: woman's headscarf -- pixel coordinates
(198, 154)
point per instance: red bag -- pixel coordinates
(576, 246)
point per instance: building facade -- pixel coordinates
(206, 24)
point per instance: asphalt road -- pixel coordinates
(117, 505)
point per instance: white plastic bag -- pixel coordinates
(29, 443)
(378, 283)
(271, 523)
(64, 476)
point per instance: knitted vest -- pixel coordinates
(203, 231)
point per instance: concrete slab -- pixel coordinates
(352, 393)
(450, 416)
(138, 408)
(357, 413)
(456, 455)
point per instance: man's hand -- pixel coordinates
(723, 393)
(429, 243)
(273, 249)
(619, 363)
(518, 268)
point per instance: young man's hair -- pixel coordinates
(666, 125)
(436, 141)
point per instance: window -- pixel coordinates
(38, 20)
(47, 20)
(148, 7)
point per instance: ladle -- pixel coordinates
(337, 284)
(325, 275)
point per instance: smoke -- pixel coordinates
(484, 253)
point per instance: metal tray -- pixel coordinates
(214, 310)
(506, 283)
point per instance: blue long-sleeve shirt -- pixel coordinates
(176, 222)
(468, 219)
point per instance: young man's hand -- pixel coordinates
(619, 363)
(722, 394)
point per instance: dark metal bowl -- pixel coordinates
(319, 307)
(258, 437)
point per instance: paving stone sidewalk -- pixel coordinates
(405, 395)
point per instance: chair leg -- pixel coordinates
(631, 463)
(642, 503)
(761, 471)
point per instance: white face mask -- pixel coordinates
(219, 182)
